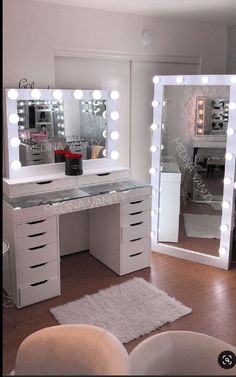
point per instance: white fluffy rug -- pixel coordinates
(127, 310)
(202, 226)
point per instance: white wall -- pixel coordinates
(33, 31)
(231, 59)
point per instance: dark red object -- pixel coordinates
(72, 155)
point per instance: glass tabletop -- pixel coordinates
(74, 193)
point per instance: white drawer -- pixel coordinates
(31, 275)
(135, 263)
(37, 255)
(42, 186)
(42, 238)
(32, 294)
(36, 226)
(136, 205)
(22, 189)
(136, 230)
(135, 217)
(135, 246)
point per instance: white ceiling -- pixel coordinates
(216, 11)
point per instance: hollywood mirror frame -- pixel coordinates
(13, 165)
(223, 260)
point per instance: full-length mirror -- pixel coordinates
(193, 167)
(41, 122)
(195, 128)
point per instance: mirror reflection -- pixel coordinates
(47, 126)
(194, 123)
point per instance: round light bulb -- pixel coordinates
(15, 142)
(225, 204)
(35, 93)
(230, 131)
(114, 155)
(232, 106)
(223, 228)
(153, 148)
(97, 94)
(153, 192)
(104, 114)
(179, 79)
(205, 79)
(153, 126)
(155, 103)
(78, 94)
(200, 102)
(114, 115)
(228, 156)
(222, 251)
(15, 165)
(14, 118)
(104, 133)
(153, 213)
(233, 79)
(227, 180)
(115, 94)
(104, 153)
(152, 171)
(57, 94)
(162, 147)
(156, 79)
(200, 112)
(12, 94)
(163, 126)
(115, 135)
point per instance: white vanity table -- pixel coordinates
(119, 227)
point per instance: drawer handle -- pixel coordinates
(138, 201)
(135, 213)
(43, 183)
(102, 174)
(38, 265)
(35, 154)
(37, 159)
(134, 255)
(37, 247)
(40, 282)
(35, 222)
(38, 234)
(139, 223)
(136, 239)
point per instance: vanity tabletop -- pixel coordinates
(74, 193)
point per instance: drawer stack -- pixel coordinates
(135, 235)
(38, 260)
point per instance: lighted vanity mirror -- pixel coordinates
(193, 174)
(39, 122)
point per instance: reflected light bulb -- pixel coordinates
(228, 156)
(57, 94)
(225, 204)
(156, 79)
(179, 79)
(205, 79)
(97, 94)
(155, 103)
(222, 251)
(230, 131)
(223, 228)
(152, 171)
(232, 106)
(153, 148)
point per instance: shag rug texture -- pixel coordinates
(128, 310)
(202, 226)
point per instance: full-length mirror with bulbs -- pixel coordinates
(193, 167)
(39, 122)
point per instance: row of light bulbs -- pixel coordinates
(57, 94)
(228, 156)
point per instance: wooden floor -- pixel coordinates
(210, 292)
(208, 246)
